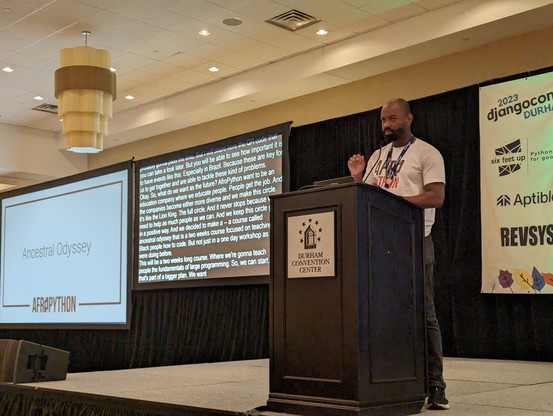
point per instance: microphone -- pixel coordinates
(382, 144)
(309, 187)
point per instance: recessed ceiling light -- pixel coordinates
(232, 21)
(38, 98)
(204, 32)
(7, 69)
(129, 97)
(322, 32)
(213, 69)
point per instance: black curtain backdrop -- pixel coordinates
(181, 326)
(170, 327)
(473, 324)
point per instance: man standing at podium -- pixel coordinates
(414, 170)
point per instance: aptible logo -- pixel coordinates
(509, 162)
(536, 198)
(503, 201)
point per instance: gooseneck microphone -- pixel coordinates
(382, 144)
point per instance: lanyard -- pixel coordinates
(390, 173)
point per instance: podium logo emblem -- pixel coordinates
(311, 245)
(310, 236)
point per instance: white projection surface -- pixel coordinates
(64, 253)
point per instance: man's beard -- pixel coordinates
(393, 135)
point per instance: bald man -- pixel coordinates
(413, 169)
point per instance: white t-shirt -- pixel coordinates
(420, 165)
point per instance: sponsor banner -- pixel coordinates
(311, 245)
(516, 176)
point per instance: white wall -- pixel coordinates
(510, 56)
(29, 156)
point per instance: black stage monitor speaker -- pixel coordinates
(27, 362)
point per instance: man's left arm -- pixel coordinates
(433, 177)
(432, 196)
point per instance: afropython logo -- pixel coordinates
(503, 200)
(509, 162)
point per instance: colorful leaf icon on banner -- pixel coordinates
(548, 278)
(505, 279)
(538, 280)
(523, 279)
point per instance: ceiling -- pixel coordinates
(163, 61)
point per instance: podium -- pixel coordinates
(347, 323)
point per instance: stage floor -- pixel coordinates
(474, 386)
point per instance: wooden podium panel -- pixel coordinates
(347, 332)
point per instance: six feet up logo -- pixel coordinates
(509, 158)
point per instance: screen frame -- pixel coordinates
(119, 167)
(282, 129)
